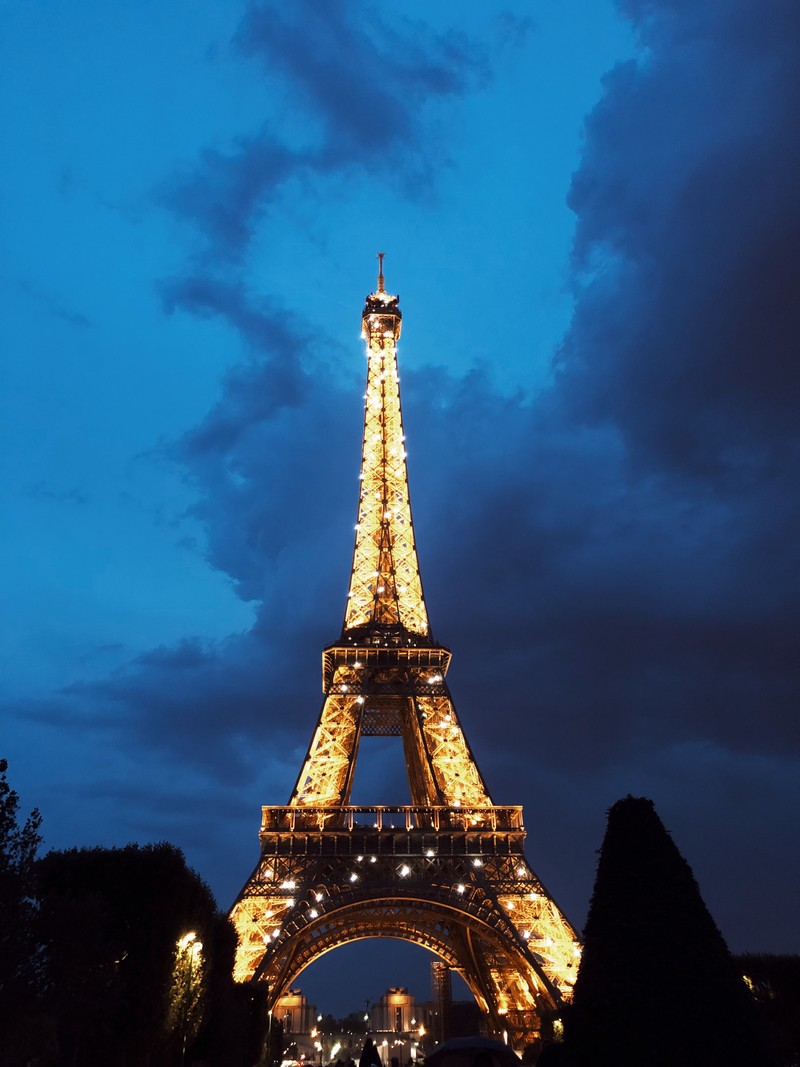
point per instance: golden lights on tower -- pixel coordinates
(385, 585)
(447, 872)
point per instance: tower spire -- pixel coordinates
(384, 601)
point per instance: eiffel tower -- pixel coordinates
(447, 872)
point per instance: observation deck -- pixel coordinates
(379, 830)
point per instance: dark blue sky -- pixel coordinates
(590, 213)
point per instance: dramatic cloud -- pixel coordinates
(614, 559)
(685, 336)
(348, 91)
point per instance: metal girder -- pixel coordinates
(460, 923)
(455, 772)
(327, 773)
(447, 872)
(385, 584)
(437, 876)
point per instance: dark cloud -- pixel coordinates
(277, 382)
(686, 329)
(363, 78)
(227, 192)
(261, 464)
(614, 562)
(672, 616)
(204, 703)
(356, 83)
(188, 655)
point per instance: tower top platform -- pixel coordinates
(381, 320)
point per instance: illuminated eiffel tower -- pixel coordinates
(447, 872)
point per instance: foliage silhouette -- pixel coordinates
(21, 1025)
(110, 922)
(775, 985)
(657, 985)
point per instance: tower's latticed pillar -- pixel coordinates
(447, 872)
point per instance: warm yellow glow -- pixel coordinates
(324, 773)
(548, 935)
(456, 772)
(460, 856)
(184, 1011)
(385, 585)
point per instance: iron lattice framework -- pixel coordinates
(447, 872)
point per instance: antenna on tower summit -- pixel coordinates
(380, 272)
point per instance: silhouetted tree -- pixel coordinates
(774, 982)
(354, 1023)
(22, 1027)
(126, 980)
(657, 985)
(235, 1033)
